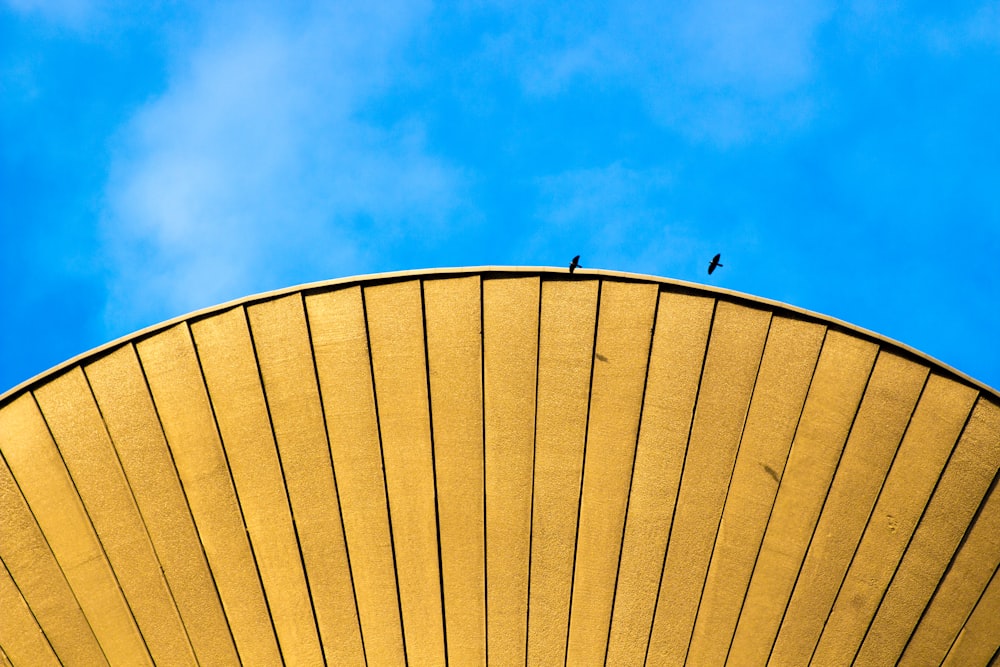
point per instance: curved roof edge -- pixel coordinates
(392, 276)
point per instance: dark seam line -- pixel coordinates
(965, 622)
(385, 481)
(281, 469)
(774, 498)
(69, 587)
(482, 396)
(236, 493)
(961, 543)
(336, 486)
(635, 452)
(916, 528)
(995, 657)
(583, 470)
(534, 460)
(975, 517)
(871, 513)
(982, 593)
(680, 479)
(8, 661)
(826, 496)
(27, 604)
(437, 500)
(729, 484)
(86, 511)
(187, 503)
(138, 511)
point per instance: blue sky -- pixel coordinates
(156, 158)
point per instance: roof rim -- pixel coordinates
(393, 276)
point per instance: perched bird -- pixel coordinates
(715, 263)
(574, 264)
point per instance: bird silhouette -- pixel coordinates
(715, 263)
(574, 264)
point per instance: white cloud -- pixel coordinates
(615, 216)
(72, 13)
(721, 70)
(253, 170)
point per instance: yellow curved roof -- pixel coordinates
(504, 464)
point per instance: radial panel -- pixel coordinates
(453, 318)
(979, 641)
(181, 399)
(678, 352)
(43, 479)
(939, 417)
(878, 428)
(123, 396)
(565, 359)
(831, 404)
(234, 386)
(510, 358)
(965, 580)
(281, 338)
(75, 422)
(20, 635)
(735, 348)
(396, 330)
(340, 344)
(786, 369)
(624, 329)
(967, 477)
(37, 576)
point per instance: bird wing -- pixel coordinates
(715, 260)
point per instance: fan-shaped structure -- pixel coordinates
(500, 465)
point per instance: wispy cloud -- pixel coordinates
(718, 70)
(253, 169)
(618, 216)
(71, 13)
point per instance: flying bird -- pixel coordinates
(715, 263)
(574, 264)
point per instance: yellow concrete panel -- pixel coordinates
(679, 342)
(969, 473)
(281, 336)
(179, 393)
(233, 380)
(891, 396)
(834, 395)
(964, 581)
(624, 331)
(979, 641)
(734, 353)
(396, 331)
(69, 410)
(565, 357)
(558, 496)
(340, 343)
(510, 357)
(127, 408)
(76, 424)
(43, 479)
(36, 574)
(790, 357)
(20, 636)
(930, 437)
(454, 355)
